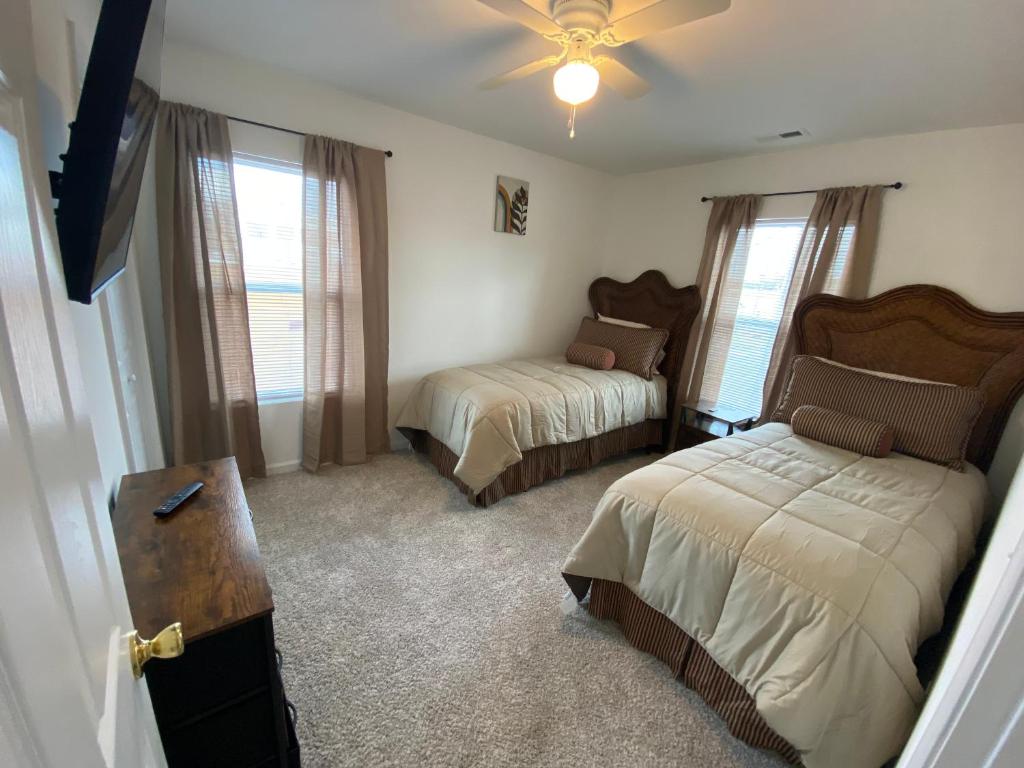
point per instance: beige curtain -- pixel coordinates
(211, 386)
(719, 280)
(345, 274)
(836, 255)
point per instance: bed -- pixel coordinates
(790, 582)
(502, 428)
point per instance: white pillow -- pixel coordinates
(616, 321)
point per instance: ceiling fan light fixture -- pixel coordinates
(576, 82)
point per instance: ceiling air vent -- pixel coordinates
(784, 136)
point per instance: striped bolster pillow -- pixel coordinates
(930, 420)
(590, 355)
(869, 438)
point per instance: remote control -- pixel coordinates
(175, 501)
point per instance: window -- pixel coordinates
(269, 197)
(751, 309)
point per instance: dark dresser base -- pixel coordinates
(222, 705)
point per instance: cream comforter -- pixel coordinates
(489, 414)
(809, 573)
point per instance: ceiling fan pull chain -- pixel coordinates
(572, 122)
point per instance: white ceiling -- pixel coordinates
(840, 69)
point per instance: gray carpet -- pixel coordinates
(417, 630)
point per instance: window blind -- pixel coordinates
(269, 197)
(751, 309)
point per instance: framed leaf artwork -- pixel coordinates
(510, 204)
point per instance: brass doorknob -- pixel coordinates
(170, 642)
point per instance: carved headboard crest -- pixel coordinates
(925, 332)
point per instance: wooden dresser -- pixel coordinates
(221, 704)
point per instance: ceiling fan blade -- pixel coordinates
(657, 17)
(520, 72)
(621, 78)
(519, 11)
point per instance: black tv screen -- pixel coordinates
(99, 187)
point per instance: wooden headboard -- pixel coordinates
(651, 299)
(926, 332)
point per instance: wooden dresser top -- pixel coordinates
(201, 566)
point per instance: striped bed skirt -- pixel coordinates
(540, 464)
(654, 633)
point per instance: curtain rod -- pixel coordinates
(387, 152)
(894, 185)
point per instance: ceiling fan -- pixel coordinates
(579, 26)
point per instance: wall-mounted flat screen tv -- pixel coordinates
(99, 187)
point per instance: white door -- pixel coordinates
(67, 694)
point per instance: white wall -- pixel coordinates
(459, 292)
(462, 293)
(108, 333)
(957, 222)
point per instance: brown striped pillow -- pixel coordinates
(636, 349)
(631, 324)
(930, 420)
(598, 358)
(869, 438)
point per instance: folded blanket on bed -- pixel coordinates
(489, 414)
(809, 573)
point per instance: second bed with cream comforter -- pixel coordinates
(809, 573)
(488, 415)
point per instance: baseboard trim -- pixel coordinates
(283, 467)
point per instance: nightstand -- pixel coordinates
(703, 421)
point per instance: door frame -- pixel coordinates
(975, 713)
(67, 695)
